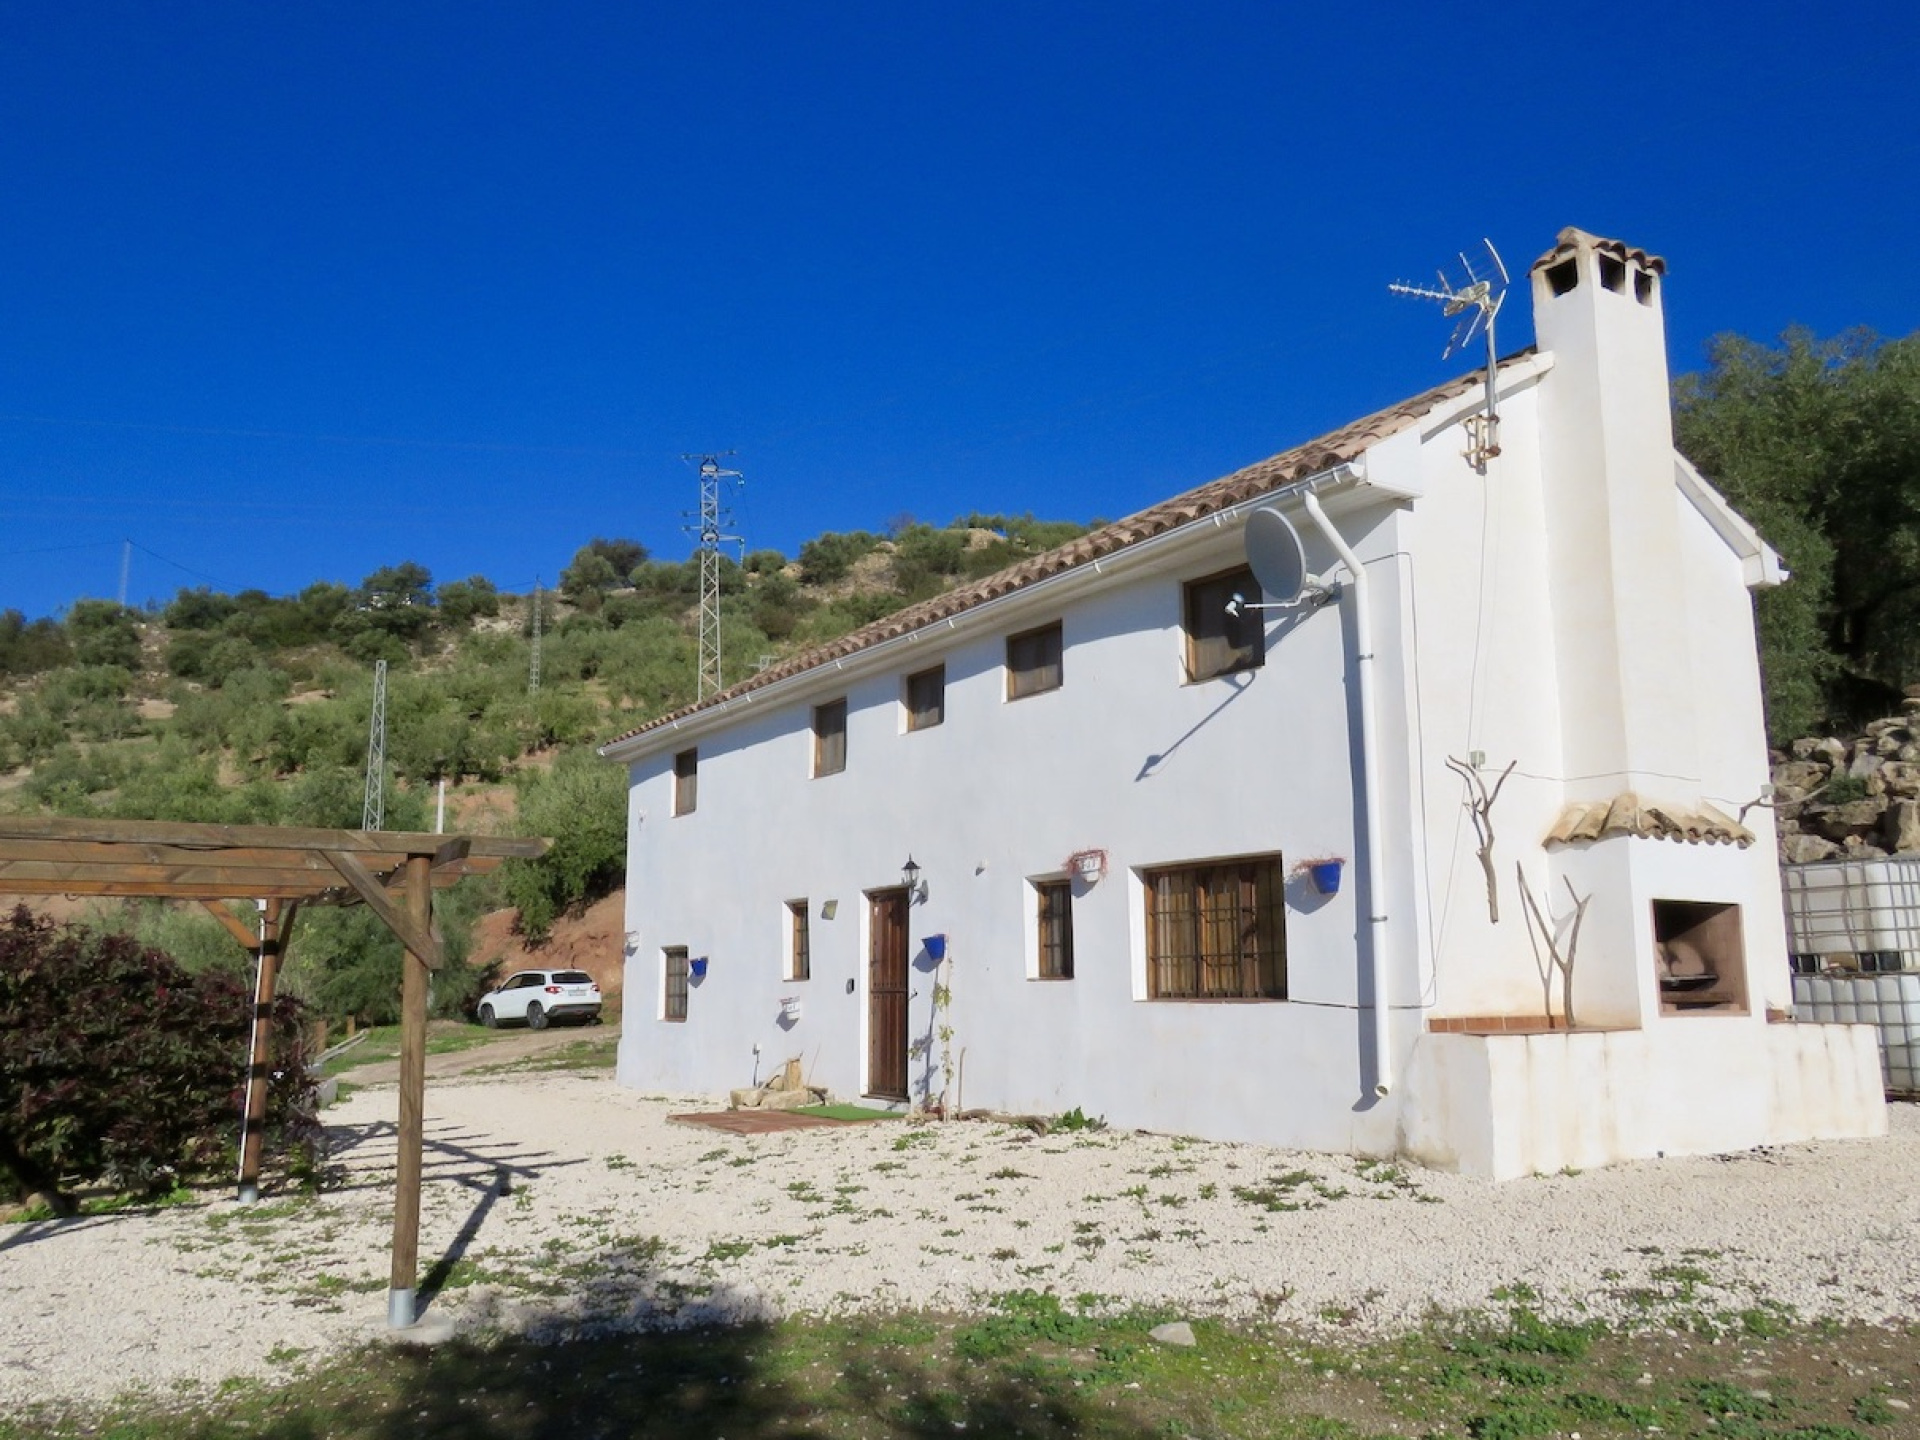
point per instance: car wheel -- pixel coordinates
(487, 1017)
(536, 1017)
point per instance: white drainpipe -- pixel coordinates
(1370, 792)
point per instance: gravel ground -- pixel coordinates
(610, 1215)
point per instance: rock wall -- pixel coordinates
(1851, 799)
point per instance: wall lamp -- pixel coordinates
(910, 877)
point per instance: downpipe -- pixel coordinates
(1369, 787)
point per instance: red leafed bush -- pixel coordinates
(117, 1066)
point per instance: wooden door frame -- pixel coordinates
(900, 895)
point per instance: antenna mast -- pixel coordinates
(374, 813)
(533, 665)
(1476, 300)
(713, 519)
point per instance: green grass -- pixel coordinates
(383, 1043)
(847, 1112)
(595, 1054)
(1031, 1364)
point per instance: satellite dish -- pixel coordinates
(1278, 560)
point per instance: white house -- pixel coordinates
(1107, 779)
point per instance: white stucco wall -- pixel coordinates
(1126, 756)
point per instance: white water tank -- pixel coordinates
(1889, 1003)
(1853, 914)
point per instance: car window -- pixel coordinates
(520, 982)
(572, 977)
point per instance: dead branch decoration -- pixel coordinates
(1543, 933)
(1480, 807)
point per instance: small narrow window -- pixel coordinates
(1033, 661)
(1564, 277)
(830, 738)
(1055, 907)
(675, 1007)
(1223, 637)
(799, 947)
(927, 698)
(1643, 286)
(686, 782)
(1613, 274)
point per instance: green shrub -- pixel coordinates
(581, 804)
(140, 1086)
(832, 556)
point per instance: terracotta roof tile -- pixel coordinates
(1312, 458)
(1628, 814)
(1574, 238)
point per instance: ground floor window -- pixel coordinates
(799, 944)
(1217, 931)
(676, 968)
(1055, 905)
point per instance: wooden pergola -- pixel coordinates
(281, 869)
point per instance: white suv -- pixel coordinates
(537, 996)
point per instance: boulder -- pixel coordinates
(1799, 776)
(787, 1099)
(744, 1099)
(1900, 826)
(1798, 849)
(1852, 821)
(1864, 764)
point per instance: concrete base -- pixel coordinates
(400, 1309)
(1503, 1106)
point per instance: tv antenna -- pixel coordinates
(713, 519)
(1473, 294)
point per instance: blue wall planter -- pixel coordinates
(1326, 876)
(697, 967)
(936, 946)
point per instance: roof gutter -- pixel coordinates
(1370, 791)
(878, 656)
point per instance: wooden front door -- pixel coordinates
(887, 994)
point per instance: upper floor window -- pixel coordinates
(1220, 641)
(686, 782)
(927, 698)
(1217, 931)
(830, 738)
(1033, 661)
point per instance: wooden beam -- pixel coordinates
(454, 852)
(417, 939)
(236, 927)
(399, 845)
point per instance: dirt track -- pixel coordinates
(504, 1048)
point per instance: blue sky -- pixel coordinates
(288, 293)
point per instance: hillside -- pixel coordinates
(255, 709)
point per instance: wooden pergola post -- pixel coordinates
(413, 1094)
(393, 874)
(253, 1127)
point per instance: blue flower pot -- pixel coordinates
(936, 946)
(697, 967)
(1326, 876)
